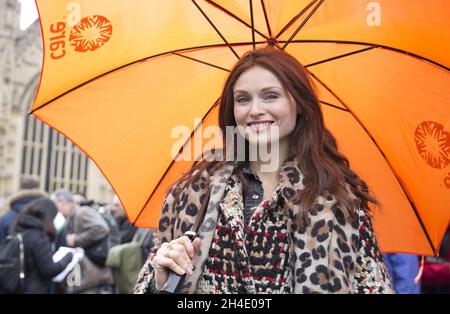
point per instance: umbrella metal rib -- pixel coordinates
(215, 28)
(333, 106)
(289, 24)
(269, 31)
(218, 6)
(340, 56)
(411, 54)
(253, 23)
(302, 24)
(200, 61)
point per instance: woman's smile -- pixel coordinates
(260, 125)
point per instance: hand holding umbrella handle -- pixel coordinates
(174, 281)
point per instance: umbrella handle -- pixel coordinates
(174, 281)
(172, 284)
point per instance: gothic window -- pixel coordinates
(49, 157)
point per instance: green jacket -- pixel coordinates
(126, 260)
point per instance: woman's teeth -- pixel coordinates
(260, 126)
(264, 123)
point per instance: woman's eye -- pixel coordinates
(241, 99)
(271, 96)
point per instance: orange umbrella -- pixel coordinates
(119, 76)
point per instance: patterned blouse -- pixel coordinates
(250, 249)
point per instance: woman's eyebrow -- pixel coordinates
(262, 90)
(270, 87)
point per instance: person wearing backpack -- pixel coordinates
(28, 191)
(35, 225)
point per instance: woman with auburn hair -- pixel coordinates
(302, 226)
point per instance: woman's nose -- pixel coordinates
(256, 107)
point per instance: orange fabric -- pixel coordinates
(117, 78)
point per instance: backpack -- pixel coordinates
(12, 264)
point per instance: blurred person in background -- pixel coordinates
(35, 223)
(403, 269)
(127, 259)
(436, 270)
(79, 198)
(2, 205)
(108, 215)
(126, 229)
(86, 228)
(28, 191)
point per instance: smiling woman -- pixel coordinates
(303, 228)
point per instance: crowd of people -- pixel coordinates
(113, 249)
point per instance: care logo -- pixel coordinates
(87, 34)
(433, 145)
(90, 33)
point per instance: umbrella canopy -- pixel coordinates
(118, 77)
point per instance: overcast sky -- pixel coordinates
(28, 13)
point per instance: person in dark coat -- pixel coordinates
(29, 190)
(35, 223)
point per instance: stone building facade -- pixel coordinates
(28, 148)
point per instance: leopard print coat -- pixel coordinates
(329, 253)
